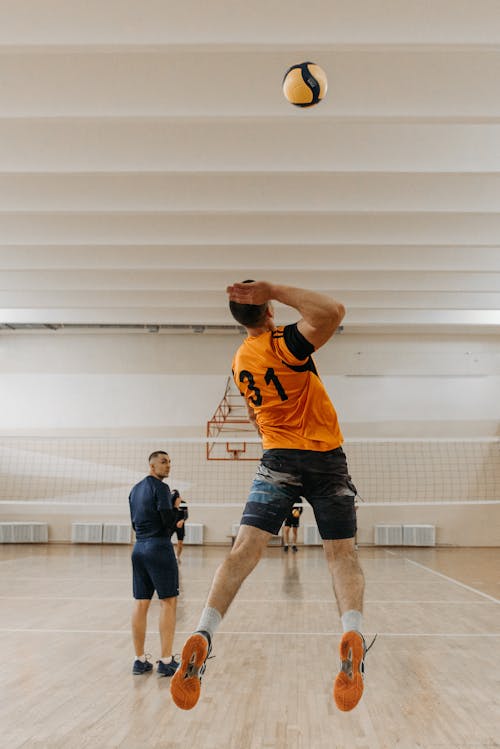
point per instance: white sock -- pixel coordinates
(141, 658)
(167, 660)
(209, 621)
(352, 620)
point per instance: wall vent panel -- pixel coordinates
(311, 536)
(194, 533)
(116, 533)
(388, 535)
(24, 533)
(86, 533)
(419, 535)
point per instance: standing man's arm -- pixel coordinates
(321, 314)
(130, 508)
(167, 512)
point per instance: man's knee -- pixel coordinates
(340, 549)
(141, 608)
(142, 603)
(250, 543)
(249, 535)
(169, 602)
(244, 553)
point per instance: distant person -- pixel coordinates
(301, 437)
(292, 521)
(181, 515)
(154, 565)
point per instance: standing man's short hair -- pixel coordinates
(156, 454)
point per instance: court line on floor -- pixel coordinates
(452, 580)
(253, 634)
(207, 580)
(182, 599)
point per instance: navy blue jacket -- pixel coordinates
(151, 510)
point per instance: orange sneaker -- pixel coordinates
(348, 685)
(186, 682)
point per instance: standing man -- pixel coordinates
(302, 456)
(292, 521)
(181, 515)
(153, 563)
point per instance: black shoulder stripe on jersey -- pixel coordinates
(299, 346)
(309, 366)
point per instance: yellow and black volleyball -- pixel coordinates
(305, 84)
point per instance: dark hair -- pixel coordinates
(155, 454)
(175, 494)
(249, 315)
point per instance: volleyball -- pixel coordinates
(305, 84)
(295, 513)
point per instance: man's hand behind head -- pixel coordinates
(254, 292)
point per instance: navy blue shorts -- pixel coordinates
(322, 478)
(154, 567)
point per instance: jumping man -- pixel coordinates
(302, 456)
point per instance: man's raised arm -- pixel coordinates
(321, 314)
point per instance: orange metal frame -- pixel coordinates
(222, 422)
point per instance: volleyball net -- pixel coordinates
(101, 471)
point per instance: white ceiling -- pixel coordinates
(148, 158)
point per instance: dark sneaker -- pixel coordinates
(285, 549)
(141, 668)
(294, 549)
(167, 669)
(185, 686)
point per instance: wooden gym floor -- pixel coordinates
(432, 676)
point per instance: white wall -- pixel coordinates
(381, 386)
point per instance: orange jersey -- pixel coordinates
(291, 405)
